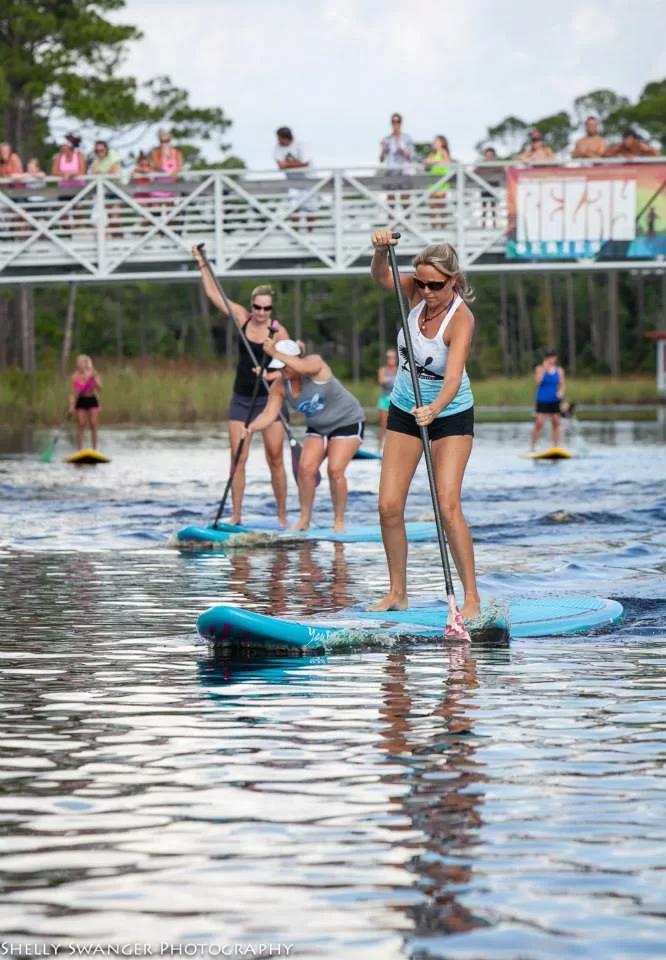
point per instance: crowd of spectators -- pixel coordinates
(70, 162)
(397, 154)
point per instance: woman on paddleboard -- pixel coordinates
(441, 326)
(550, 391)
(83, 401)
(386, 378)
(257, 324)
(335, 423)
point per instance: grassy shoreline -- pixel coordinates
(182, 394)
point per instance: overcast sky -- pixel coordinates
(334, 70)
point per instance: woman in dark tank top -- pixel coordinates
(257, 325)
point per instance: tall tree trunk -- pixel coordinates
(355, 344)
(571, 323)
(118, 317)
(381, 328)
(26, 316)
(595, 318)
(640, 303)
(70, 317)
(196, 332)
(613, 328)
(204, 310)
(298, 309)
(4, 332)
(525, 345)
(504, 324)
(549, 316)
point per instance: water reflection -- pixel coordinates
(444, 780)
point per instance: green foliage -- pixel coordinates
(613, 110)
(63, 58)
(648, 113)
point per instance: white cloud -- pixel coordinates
(335, 70)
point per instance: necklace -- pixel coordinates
(423, 320)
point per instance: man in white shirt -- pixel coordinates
(292, 158)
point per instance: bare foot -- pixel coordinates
(390, 602)
(339, 526)
(301, 525)
(234, 521)
(283, 523)
(471, 609)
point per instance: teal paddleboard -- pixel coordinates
(363, 454)
(245, 630)
(256, 535)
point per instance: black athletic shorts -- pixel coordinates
(241, 406)
(354, 430)
(548, 406)
(86, 402)
(456, 425)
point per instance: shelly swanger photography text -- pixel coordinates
(46, 948)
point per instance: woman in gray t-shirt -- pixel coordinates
(334, 417)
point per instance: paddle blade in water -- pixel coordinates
(455, 625)
(47, 456)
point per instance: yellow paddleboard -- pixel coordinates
(87, 456)
(555, 453)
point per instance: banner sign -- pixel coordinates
(600, 213)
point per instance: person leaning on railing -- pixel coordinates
(632, 146)
(10, 163)
(537, 151)
(592, 145)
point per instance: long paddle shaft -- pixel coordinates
(455, 624)
(239, 451)
(294, 445)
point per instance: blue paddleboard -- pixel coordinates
(363, 454)
(356, 626)
(226, 534)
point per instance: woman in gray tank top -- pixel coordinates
(334, 417)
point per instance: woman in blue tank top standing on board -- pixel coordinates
(441, 326)
(550, 391)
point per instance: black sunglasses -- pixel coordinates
(256, 307)
(433, 285)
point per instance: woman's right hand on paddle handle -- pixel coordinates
(246, 433)
(198, 256)
(382, 239)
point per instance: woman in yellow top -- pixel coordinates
(437, 162)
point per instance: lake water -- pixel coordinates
(424, 803)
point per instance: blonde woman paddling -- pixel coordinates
(83, 402)
(441, 326)
(257, 325)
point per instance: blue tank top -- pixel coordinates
(430, 356)
(547, 392)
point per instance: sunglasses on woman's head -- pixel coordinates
(255, 306)
(433, 285)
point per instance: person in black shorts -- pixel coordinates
(441, 326)
(83, 402)
(257, 325)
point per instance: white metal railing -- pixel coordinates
(99, 229)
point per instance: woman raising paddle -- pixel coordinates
(257, 325)
(83, 399)
(441, 327)
(335, 423)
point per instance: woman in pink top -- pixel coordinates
(83, 399)
(69, 162)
